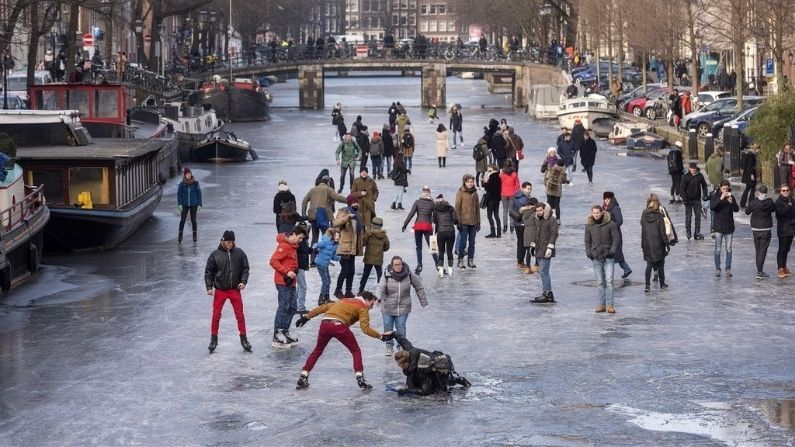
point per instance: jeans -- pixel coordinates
(723, 239)
(603, 271)
(445, 241)
(761, 244)
(287, 307)
(388, 165)
(570, 173)
(546, 281)
(378, 165)
(325, 278)
(693, 209)
(347, 271)
(300, 290)
(366, 275)
(522, 252)
(408, 162)
(398, 323)
(399, 195)
(507, 204)
(184, 215)
(342, 175)
(784, 243)
(418, 236)
(467, 233)
(493, 213)
(460, 135)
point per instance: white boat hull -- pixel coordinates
(587, 117)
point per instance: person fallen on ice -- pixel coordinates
(426, 372)
(337, 319)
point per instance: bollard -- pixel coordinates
(692, 144)
(731, 137)
(709, 146)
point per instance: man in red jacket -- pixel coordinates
(285, 268)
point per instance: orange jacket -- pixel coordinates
(284, 260)
(348, 311)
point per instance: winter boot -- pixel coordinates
(440, 271)
(179, 238)
(303, 381)
(290, 340)
(400, 206)
(338, 294)
(471, 264)
(450, 271)
(394, 206)
(194, 237)
(418, 270)
(278, 341)
(213, 343)
(244, 342)
(361, 382)
(491, 233)
(461, 264)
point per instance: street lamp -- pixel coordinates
(213, 18)
(203, 31)
(139, 28)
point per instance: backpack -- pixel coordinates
(437, 362)
(672, 165)
(478, 153)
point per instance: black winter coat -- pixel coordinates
(588, 152)
(615, 215)
(785, 217)
(389, 144)
(566, 152)
(578, 136)
(493, 187)
(400, 175)
(761, 212)
(444, 217)
(653, 239)
(749, 168)
(723, 221)
(281, 198)
(226, 269)
(497, 144)
(693, 187)
(303, 255)
(601, 238)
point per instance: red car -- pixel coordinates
(638, 105)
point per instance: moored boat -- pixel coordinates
(622, 130)
(192, 124)
(242, 100)
(645, 140)
(544, 101)
(222, 146)
(587, 109)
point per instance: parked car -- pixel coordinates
(741, 121)
(18, 82)
(704, 119)
(628, 75)
(635, 93)
(706, 98)
(15, 102)
(638, 105)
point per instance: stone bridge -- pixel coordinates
(434, 73)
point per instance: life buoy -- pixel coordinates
(5, 276)
(33, 258)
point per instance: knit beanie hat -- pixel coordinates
(186, 171)
(351, 200)
(377, 223)
(229, 235)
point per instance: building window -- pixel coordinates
(412, 33)
(412, 20)
(404, 4)
(395, 20)
(376, 5)
(53, 184)
(451, 25)
(412, 4)
(423, 26)
(440, 8)
(403, 20)
(365, 5)
(93, 181)
(442, 26)
(432, 26)
(450, 9)
(355, 6)
(424, 9)
(433, 9)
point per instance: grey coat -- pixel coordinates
(540, 232)
(395, 294)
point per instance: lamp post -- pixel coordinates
(545, 11)
(213, 18)
(202, 32)
(139, 28)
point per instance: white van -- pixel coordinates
(18, 82)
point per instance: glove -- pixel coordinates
(548, 253)
(179, 208)
(301, 321)
(386, 336)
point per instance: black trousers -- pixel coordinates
(366, 275)
(554, 203)
(347, 270)
(589, 171)
(692, 207)
(761, 244)
(184, 215)
(493, 213)
(522, 252)
(446, 242)
(784, 244)
(676, 179)
(660, 267)
(748, 194)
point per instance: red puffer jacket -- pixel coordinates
(284, 260)
(509, 183)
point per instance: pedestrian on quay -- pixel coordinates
(723, 206)
(654, 241)
(577, 140)
(366, 191)
(715, 167)
(693, 190)
(566, 153)
(481, 153)
(284, 262)
(346, 155)
(489, 132)
(785, 227)
(750, 174)
(444, 222)
(225, 276)
(402, 122)
(761, 208)
(493, 189)
(554, 186)
(610, 205)
(326, 249)
(318, 205)
(376, 243)
(189, 200)
(432, 115)
(349, 222)
(389, 149)
(357, 127)
(423, 226)
(456, 125)
(394, 291)
(540, 236)
(509, 186)
(283, 195)
(400, 178)
(588, 156)
(342, 129)
(377, 156)
(441, 145)
(467, 207)
(407, 146)
(601, 243)
(522, 201)
(336, 119)
(676, 169)
(337, 319)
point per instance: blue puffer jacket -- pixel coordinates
(326, 251)
(189, 194)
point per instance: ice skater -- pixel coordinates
(426, 372)
(225, 276)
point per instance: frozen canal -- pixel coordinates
(111, 348)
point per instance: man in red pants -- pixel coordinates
(225, 276)
(338, 318)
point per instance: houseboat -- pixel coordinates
(243, 100)
(104, 112)
(544, 101)
(192, 124)
(99, 191)
(587, 109)
(223, 145)
(23, 218)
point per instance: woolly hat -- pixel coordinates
(693, 164)
(186, 171)
(229, 235)
(608, 195)
(364, 169)
(351, 200)
(377, 223)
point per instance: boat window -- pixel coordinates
(48, 100)
(78, 100)
(198, 125)
(578, 104)
(53, 184)
(106, 104)
(90, 180)
(185, 127)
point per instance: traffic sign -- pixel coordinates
(147, 38)
(88, 40)
(770, 67)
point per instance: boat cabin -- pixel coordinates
(103, 107)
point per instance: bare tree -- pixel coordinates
(774, 30)
(41, 21)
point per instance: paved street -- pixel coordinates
(110, 348)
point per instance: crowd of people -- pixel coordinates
(330, 228)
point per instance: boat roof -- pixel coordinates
(99, 149)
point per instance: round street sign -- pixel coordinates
(88, 40)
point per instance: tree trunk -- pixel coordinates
(620, 34)
(691, 29)
(109, 32)
(69, 40)
(33, 41)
